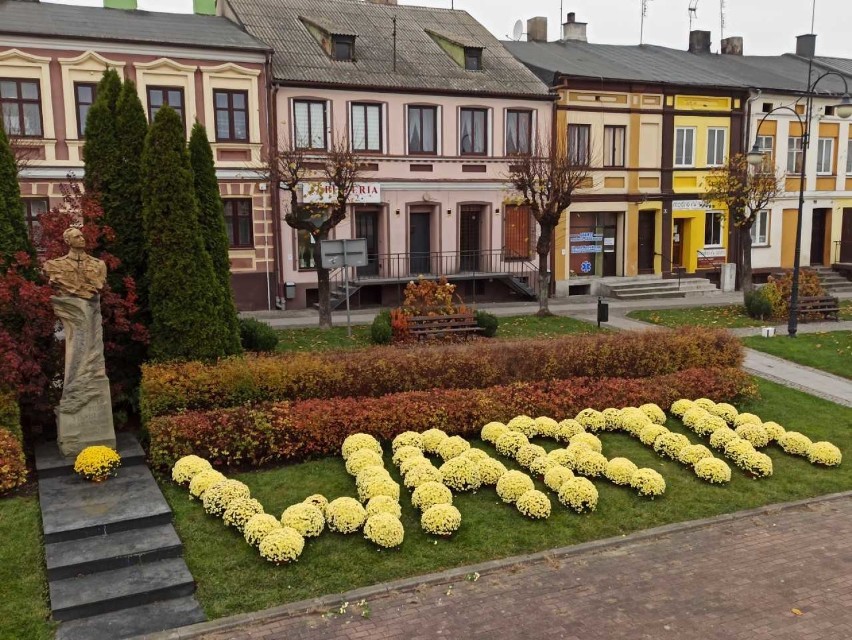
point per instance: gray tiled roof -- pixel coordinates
(143, 27)
(420, 62)
(653, 64)
(843, 65)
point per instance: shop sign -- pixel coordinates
(586, 236)
(325, 192)
(690, 205)
(587, 248)
(713, 253)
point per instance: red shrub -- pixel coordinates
(298, 430)
(168, 388)
(13, 466)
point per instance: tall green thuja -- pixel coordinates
(211, 217)
(100, 154)
(13, 227)
(123, 210)
(184, 295)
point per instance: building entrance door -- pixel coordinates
(818, 237)
(846, 237)
(677, 242)
(469, 237)
(367, 226)
(647, 240)
(420, 242)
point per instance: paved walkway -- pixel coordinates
(779, 574)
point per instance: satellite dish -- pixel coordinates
(518, 30)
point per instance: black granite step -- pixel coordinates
(75, 508)
(106, 591)
(51, 463)
(134, 621)
(112, 551)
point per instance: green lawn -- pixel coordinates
(24, 611)
(232, 578)
(729, 316)
(831, 351)
(512, 327)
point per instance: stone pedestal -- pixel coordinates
(84, 416)
(728, 279)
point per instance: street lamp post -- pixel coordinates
(755, 158)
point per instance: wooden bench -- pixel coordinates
(436, 326)
(826, 306)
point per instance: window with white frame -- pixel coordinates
(825, 156)
(716, 138)
(713, 229)
(685, 147)
(310, 124)
(794, 155)
(366, 127)
(849, 156)
(760, 229)
(766, 145)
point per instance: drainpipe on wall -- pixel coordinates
(272, 148)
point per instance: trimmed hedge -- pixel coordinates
(298, 430)
(173, 387)
(13, 465)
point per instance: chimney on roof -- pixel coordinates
(732, 46)
(573, 30)
(699, 41)
(537, 29)
(806, 45)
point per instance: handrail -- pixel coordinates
(671, 266)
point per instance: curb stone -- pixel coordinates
(322, 604)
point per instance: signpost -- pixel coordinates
(345, 253)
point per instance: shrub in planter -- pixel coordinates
(257, 336)
(487, 322)
(13, 466)
(255, 435)
(173, 387)
(381, 331)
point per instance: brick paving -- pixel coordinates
(731, 580)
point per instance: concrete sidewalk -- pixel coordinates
(778, 572)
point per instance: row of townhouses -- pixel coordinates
(437, 108)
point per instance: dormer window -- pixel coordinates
(343, 48)
(472, 59)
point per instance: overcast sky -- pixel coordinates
(769, 27)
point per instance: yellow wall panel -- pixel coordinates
(649, 183)
(702, 103)
(788, 237)
(826, 183)
(685, 183)
(613, 182)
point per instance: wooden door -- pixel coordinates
(420, 242)
(647, 241)
(517, 234)
(818, 236)
(677, 242)
(470, 244)
(846, 237)
(367, 227)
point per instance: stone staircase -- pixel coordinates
(832, 281)
(653, 289)
(114, 561)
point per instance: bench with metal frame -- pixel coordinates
(826, 306)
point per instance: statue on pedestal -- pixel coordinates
(84, 416)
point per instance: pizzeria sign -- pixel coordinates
(325, 192)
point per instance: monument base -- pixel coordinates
(89, 424)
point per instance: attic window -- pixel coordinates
(472, 59)
(829, 111)
(343, 48)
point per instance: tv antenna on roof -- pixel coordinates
(693, 12)
(518, 31)
(642, 21)
(722, 17)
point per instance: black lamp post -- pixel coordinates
(755, 158)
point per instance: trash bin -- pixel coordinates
(603, 311)
(290, 290)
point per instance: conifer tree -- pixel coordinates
(211, 217)
(14, 237)
(183, 293)
(100, 154)
(123, 210)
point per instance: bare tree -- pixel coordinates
(744, 191)
(546, 180)
(339, 169)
